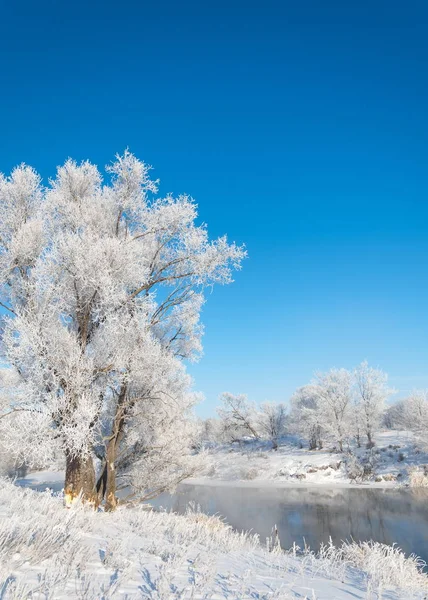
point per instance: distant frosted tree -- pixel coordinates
(271, 421)
(371, 392)
(103, 283)
(333, 396)
(212, 431)
(412, 414)
(357, 419)
(398, 415)
(306, 417)
(237, 415)
(340, 404)
(392, 417)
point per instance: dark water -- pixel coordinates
(314, 514)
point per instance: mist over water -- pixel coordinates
(314, 514)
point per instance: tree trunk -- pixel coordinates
(110, 486)
(106, 484)
(312, 443)
(358, 439)
(79, 479)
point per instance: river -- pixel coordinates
(314, 514)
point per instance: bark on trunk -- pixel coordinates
(79, 479)
(110, 488)
(106, 485)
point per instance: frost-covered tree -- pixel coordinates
(103, 283)
(211, 431)
(340, 404)
(371, 392)
(305, 416)
(333, 396)
(271, 421)
(237, 416)
(412, 414)
(357, 419)
(156, 453)
(392, 418)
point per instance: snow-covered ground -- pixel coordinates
(389, 463)
(47, 551)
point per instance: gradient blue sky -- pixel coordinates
(300, 128)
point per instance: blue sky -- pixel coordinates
(300, 128)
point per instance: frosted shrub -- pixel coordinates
(418, 478)
(354, 468)
(248, 474)
(385, 566)
(381, 566)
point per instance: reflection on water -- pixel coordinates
(314, 514)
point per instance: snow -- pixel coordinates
(254, 463)
(40, 480)
(49, 552)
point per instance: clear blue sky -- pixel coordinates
(301, 129)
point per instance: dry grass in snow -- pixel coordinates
(47, 552)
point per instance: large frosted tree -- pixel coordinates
(103, 283)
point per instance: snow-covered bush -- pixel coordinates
(381, 566)
(354, 468)
(418, 477)
(249, 473)
(360, 467)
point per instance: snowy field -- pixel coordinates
(47, 551)
(390, 463)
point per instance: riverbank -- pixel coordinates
(393, 461)
(49, 552)
(312, 515)
(291, 484)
